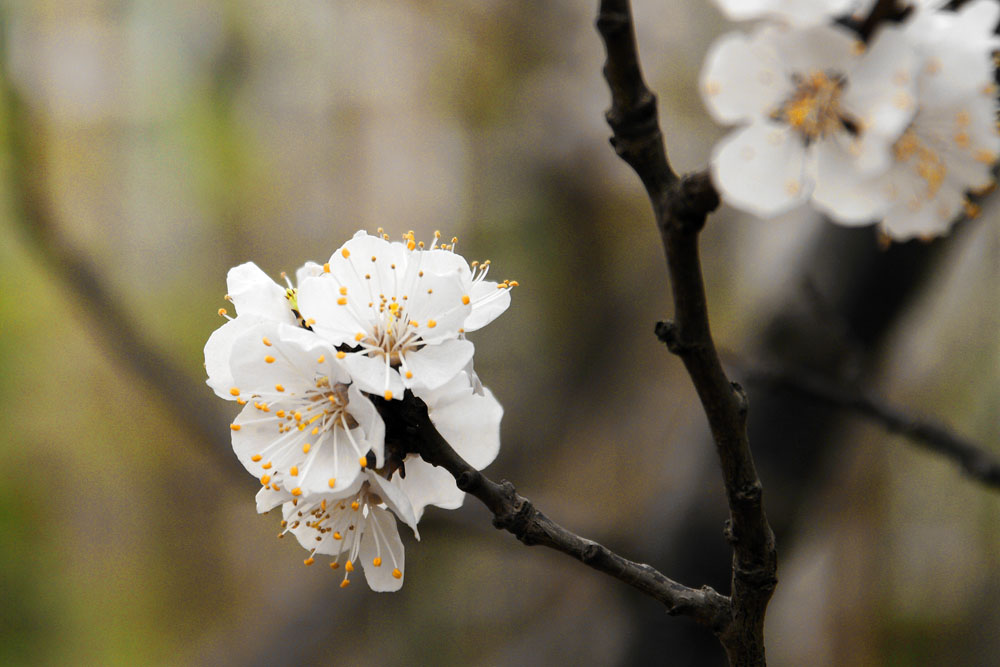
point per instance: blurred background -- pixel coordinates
(149, 146)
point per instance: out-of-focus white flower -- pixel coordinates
(816, 105)
(256, 298)
(356, 528)
(798, 12)
(305, 428)
(952, 142)
(399, 311)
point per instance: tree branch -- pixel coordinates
(410, 430)
(681, 207)
(977, 462)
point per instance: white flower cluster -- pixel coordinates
(897, 130)
(378, 319)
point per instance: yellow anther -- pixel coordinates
(274, 487)
(342, 301)
(341, 354)
(266, 466)
(397, 574)
(306, 447)
(234, 391)
(332, 482)
(363, 461)
(241, 401)
(431, 324)
(294, 471)
(302, 427)
(337, 536)
(269, 359)
(514, 283)
(345, 583)
(985, 156)
(334, 565)
(321, 359)
(298, 416)
(280, 413)
(322, 505)
(410, 245)
(461, 330)
(265, 480)
(343, 291)
(465, 300)
(414, 323)
(409, 375)
(376, 561)
(349, 566)
(358, 336)
(437, 234)
(256, 457)
(311, 321)
(355, 505)
(266, 341)
(297, 491)
(388, 395)
(279, 387)
(222, 312)
(326, 267)
(235, 427)
(374, 258)
(309, 561)
(345, 253)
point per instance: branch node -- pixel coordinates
(761, 578)
(691, 199)
(727, 532)
(743, 402)
(750, 493)
(669, 334)
(609, 23)
(590, 553)
(465, 480)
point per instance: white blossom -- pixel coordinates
(798, 12)
(952, 142)
(305, 428)
(358, 527)
(815, 105)
(399, 312)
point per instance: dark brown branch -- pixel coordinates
(978, 463)
(681, 207)
(409, 430)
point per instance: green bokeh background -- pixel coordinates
(173, 140)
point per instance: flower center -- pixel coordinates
(926, 162)
(814, 107)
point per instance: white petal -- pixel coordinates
(292, 359)
(307, 270)
(843, 192)
(425, 485)
(268, 499)
(218, 353)
(254, 293)
(742, 79)
(338, 323)
(372, 426)
(372, 376)
(489, 301)
(438, 300)
(395, 499)
(799, 12)
(434, 365)
(380, 578)
(821, 48)
(761, 169)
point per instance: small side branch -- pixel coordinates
(410, 430)
(681, 206)
(977, 462)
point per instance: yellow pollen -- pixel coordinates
(266, 341)
(332, 482)
(266, 466)
(315, 431)
(388, 395)
(241, 401)
(355, 505)
(397, 574)
(301, 427)
(275, 487)
(414, 323)
(461, 330)
(326, 267)
(322, 505)
(256, 457)
(341, 354)
(311, 321)
(235, 427)
(349, 566)
(279, 387)
(358, 336)
(269, 359)
(337, 536)
(294, 471)
(376, 561)
(265, 479)
(334, 565)
(985, 156)
(411, 245)
(514, 283)
(345, 583)
(222, 312)
(343, 291)
(297, 491)
(280, 413)
(465, 300)
(345, 253)
(409, 375)
(298, 416)
(363, 461)
(342, 301)
(431, 324)
(373, 258)
(309, 561)
(234, 391)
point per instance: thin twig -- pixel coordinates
(681, 206)
(977, 462)
(409, 430)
